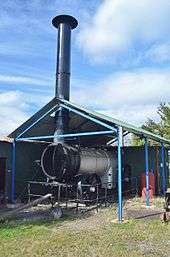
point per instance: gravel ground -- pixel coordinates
(132, 209)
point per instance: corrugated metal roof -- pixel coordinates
(115, 122)
(41, 127)
(79, 124)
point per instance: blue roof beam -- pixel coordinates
(87, 116)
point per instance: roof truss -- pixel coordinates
(110, 124)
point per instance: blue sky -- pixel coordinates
(120, 57)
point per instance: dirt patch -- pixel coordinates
(132, 209)
(136, 209)
(144, 213)
(90, 220)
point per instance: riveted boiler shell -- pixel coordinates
(94, 161)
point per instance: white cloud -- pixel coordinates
(23, 80)
(130, 96)
(136, 115)
(121, 26)
(15, 109)
(120, 30)
(159, 52)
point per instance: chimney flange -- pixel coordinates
(65, 19)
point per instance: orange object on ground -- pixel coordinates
(151, 184)
(151, 195)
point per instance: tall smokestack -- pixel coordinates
(64, 24)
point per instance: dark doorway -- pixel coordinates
(2, 176)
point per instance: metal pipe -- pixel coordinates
(147, 172)
(120, 136)
(64, 24)
(68, 135)
(13, 213)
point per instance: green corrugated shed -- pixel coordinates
(27, 152)
(26, 168)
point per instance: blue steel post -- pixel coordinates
(13, 171)
(163, 169)
(147, 172)
(120, 135)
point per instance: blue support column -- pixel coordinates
(13, 171)
(163, 169)
(120, 136)
(147, 173)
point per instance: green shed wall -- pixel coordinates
(28, 152)
(6, 151)
(26, 169)
(135, 156)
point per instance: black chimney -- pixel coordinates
(64, 24)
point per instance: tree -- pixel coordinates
(161, 128)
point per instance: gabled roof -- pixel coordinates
(78, 123)
(44, 125)
(115, 122)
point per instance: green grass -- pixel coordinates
(94, 235)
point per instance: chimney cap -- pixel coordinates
(65, 19)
